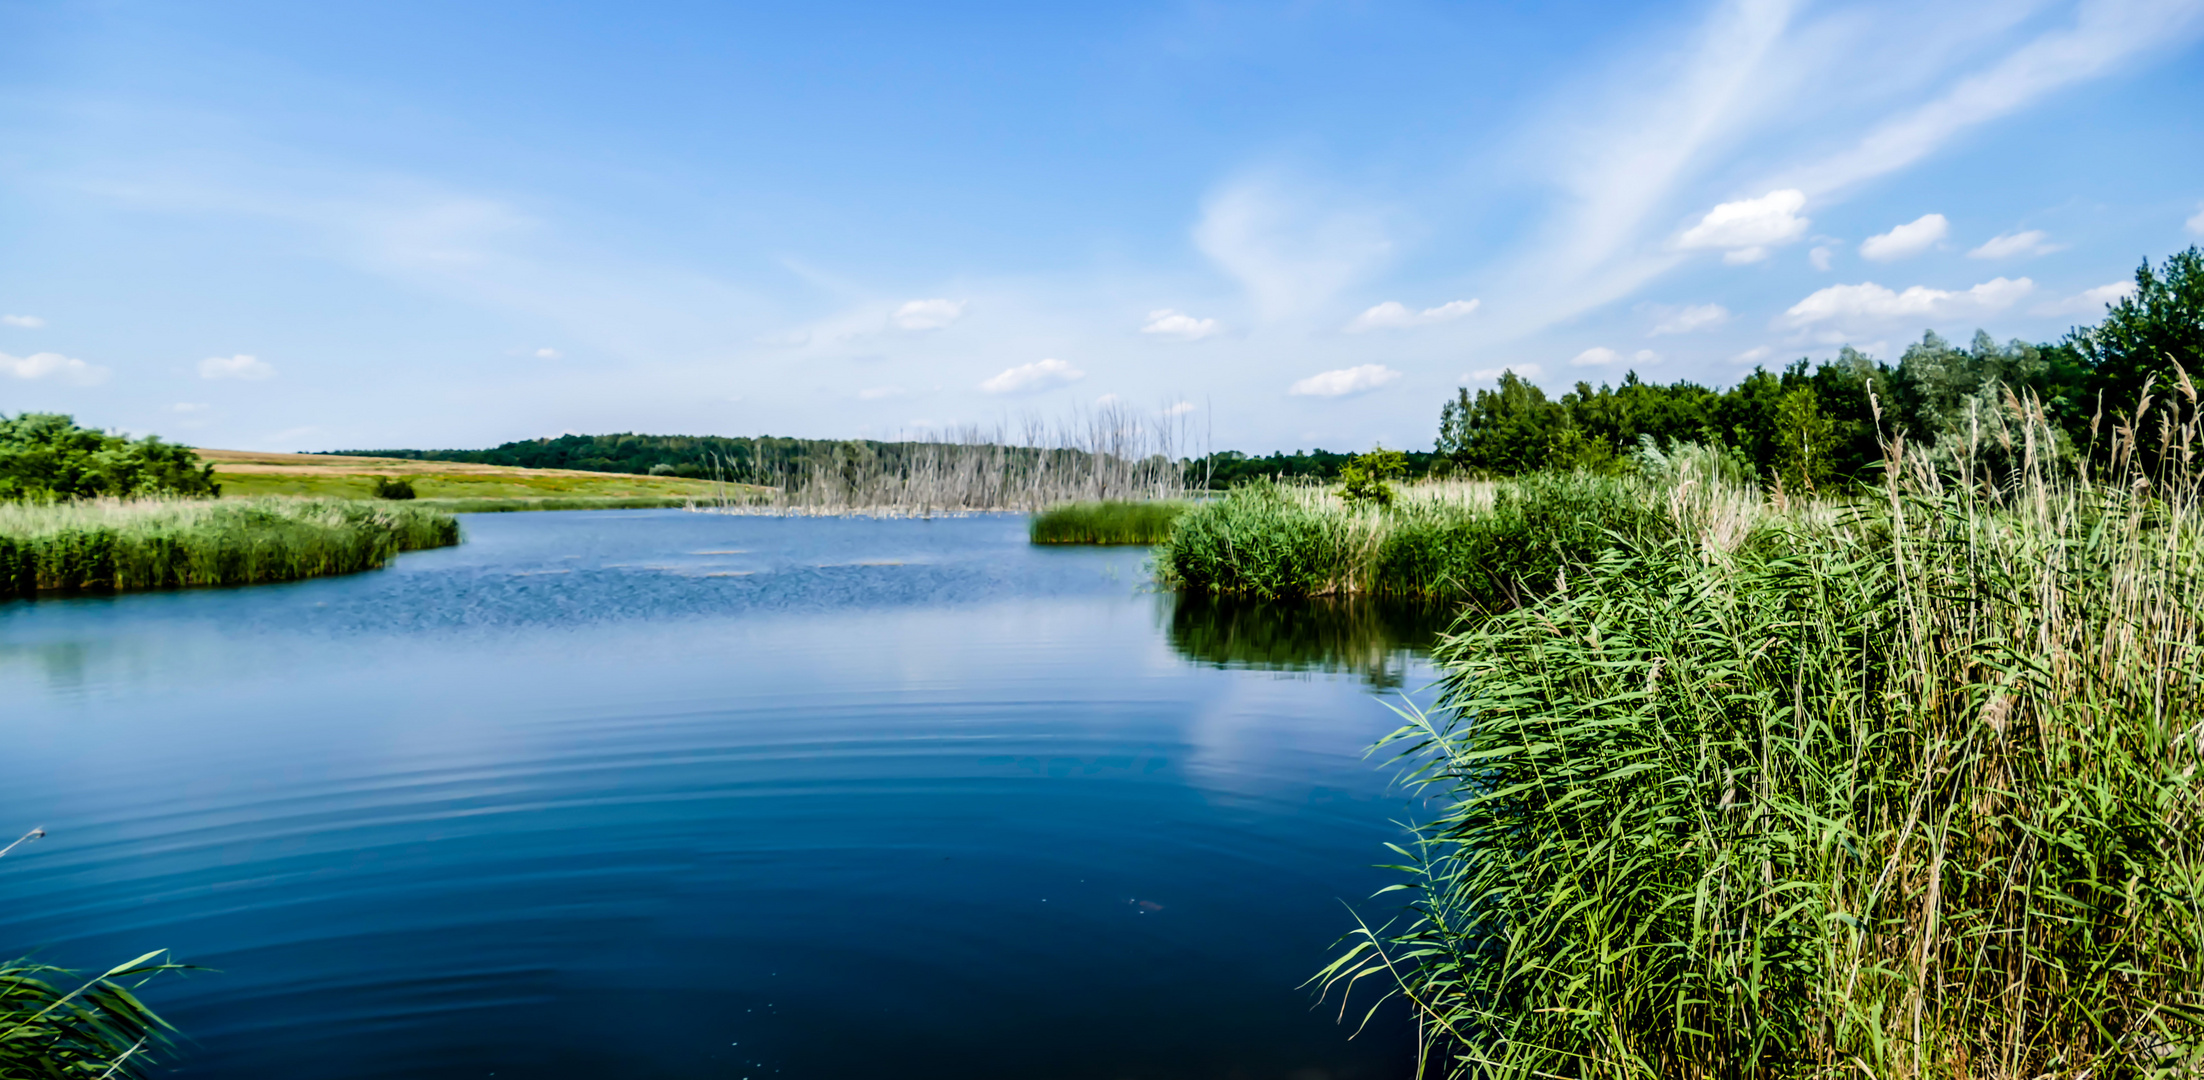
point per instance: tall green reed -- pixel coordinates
(1907, 792)
(174, 543)
(1107, 522)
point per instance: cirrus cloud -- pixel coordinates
(934, 314)
(241, 366)
(1360, 379)
(1869, 302)
(2007, 245)
(1033, 378)
(1695, 317)
(27, 322)
(1907, 240)
(47, 365)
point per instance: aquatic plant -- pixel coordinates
(1906, 791)
(177, 543)
(1109, 522)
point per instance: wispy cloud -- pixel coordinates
(1394, 315)
(1523, 371)
(2092, 302)
(2196, 224)
(1174, 324)
(548, 354)
(1689, 319)
(1360, 379)
(27, 322)
(935, 314)
(1868, 302)
(2009, 245)
(241, 366)
(1033, 378)
(49, 365)
(1907, 240)
(1293, 250)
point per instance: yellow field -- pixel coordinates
(244, 473)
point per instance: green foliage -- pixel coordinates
(393, 487)
(1913, 794)
(1514, 429)
(47, 456)
(1264, 540)
(2145, 334)
(1228, 469)
(1107, 522)
(1362, 481)
(159, 544)
(1374, 637)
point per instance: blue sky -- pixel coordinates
(315, 226)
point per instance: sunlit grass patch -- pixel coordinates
(1107, 522)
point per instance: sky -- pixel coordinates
(286, 226)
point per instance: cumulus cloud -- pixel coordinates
(47, 365)
(2090, 301)
(1524, 371)
(27, 322)
(1168, 323)
(1179, 409)
(1907, 240)
(1033, 378)
(1695, 317)
(1820, 257)
(1597, 356)
(1753, 355)
(2196, 224)
(1394, 315)
(1746, 229)
(931, 314)
(240, 366)
(548, 354)
(1360, 379)
(1869, 302)
(2031, 242)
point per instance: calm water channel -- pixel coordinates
(655, 794)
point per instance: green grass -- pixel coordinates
(1108, 522)
(160, 543)
(1910, 790)
(474, 488)
(571, 502)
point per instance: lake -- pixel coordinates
(659, 794)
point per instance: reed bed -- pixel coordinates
(1908, 789)
(1106, 523)
(178, 543)
(1112, 453)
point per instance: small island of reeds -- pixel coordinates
(166, 543)
(1107, 522)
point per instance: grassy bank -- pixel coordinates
(457, 486)
(161, 543)
(1109, 522)
(1909, 790)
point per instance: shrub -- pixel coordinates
(393, 487)
(46, 456)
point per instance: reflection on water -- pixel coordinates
(1378, 639)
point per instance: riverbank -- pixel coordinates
(459, 487)
(1906, 790)
(125, 545)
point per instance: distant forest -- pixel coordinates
(1804, 425)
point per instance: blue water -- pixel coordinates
(656, 794)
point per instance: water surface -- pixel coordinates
(654, 794)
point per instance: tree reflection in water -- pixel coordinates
(1371, 637)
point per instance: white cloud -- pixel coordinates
(33, 322)
(1695, 317)
(1748, 227)
(2008, 245)
(1032, 378)
(1524, 371)
(931, 314)
(548, 354)
(1820, 257)
(1360, 379)
(1169, 323)
(188, 407)
(240, 366)
(1180, 409)
(1753, 355)
(1869, 302)
(1291, 249)
(2090, 301)
(2196, 224)
(53, 365)
(1394, 315)
(1597, 356)
(1907, 240)
(1646, 356)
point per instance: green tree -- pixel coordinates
(47, 456)
(1803, 439)
(1363, 480)
(2146, 333)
